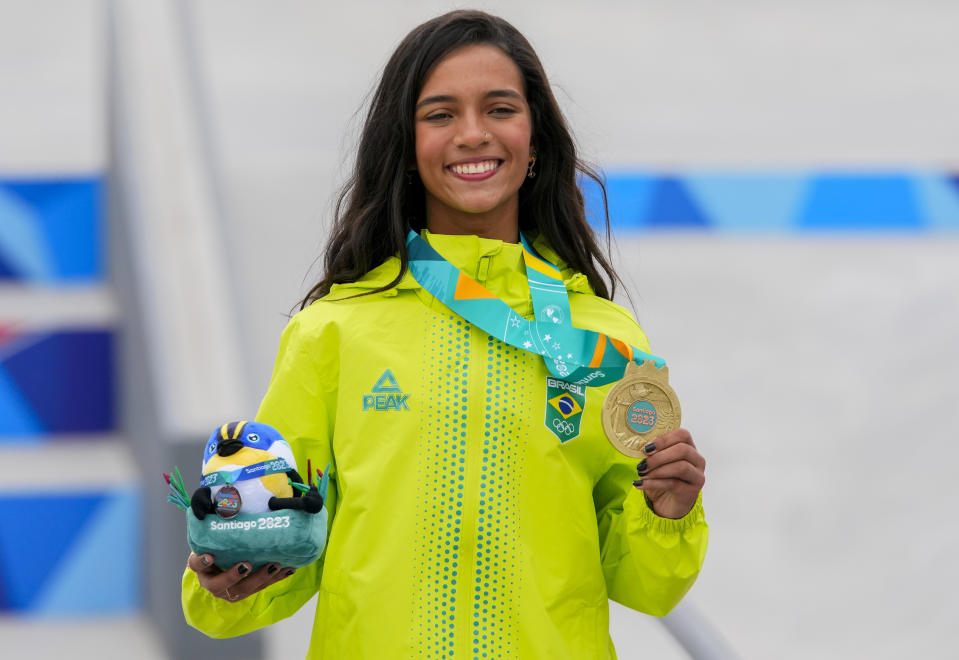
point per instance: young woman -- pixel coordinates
(477, 508)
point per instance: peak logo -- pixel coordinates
(386, 395)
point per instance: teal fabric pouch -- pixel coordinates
(287, 537)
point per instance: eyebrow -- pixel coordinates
(447, 98)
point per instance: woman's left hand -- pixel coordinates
(672, 474)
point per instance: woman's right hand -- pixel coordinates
(238, 582)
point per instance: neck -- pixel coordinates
(501, 224)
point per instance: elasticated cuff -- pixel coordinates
(646, 517)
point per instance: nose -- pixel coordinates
(472, 132)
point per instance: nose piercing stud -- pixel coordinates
(485, 135)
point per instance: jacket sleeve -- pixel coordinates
(649, 562)
(301, 404)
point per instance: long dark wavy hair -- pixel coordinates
(378, 201)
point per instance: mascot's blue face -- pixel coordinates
(231, 438)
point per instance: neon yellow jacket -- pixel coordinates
(460, 526)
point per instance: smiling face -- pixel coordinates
(473, 130)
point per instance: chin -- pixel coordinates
(479, 206)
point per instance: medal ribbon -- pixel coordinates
(570, 353)
(274, 466)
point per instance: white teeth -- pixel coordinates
(475, 168)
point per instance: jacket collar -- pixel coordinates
(466, 253)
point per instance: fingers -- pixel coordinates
(238, 582)
(217, 581)
(672, 474)
(679, 470)
(669, 439)
(202, 565)
(672, 447)
(259, 579)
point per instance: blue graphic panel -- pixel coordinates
(748, 202)
(70, 553)
(629, 199)
(773, 201)
(51, 230)
(841, 202)
(938, 202)
(101, 574)
(593, 199)
(60, 382)
(672, 207)
(36, 532)
(7, 272)
(23, 245)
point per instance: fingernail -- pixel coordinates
(205, 560)
(638, 483)
(242, 569)
(650, 448)
(642, 466)
(272, 569)
(290, 572)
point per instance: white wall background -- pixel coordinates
(818, 374)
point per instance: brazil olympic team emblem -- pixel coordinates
(564, 408)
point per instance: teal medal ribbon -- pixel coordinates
(575, 355)
(255, 471)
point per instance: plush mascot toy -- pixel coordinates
(248, 467)
(252, 504)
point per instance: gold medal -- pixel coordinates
(640, 407)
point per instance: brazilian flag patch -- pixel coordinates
(564, 408)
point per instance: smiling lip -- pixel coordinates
(475, 170)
